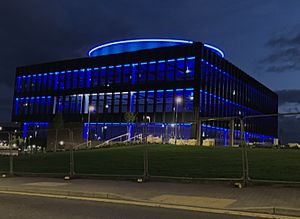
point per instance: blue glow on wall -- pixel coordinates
(27, 125)
(204, 127)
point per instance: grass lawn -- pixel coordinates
(274, 164)
(166, 160)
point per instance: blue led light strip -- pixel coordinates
(138, 41)
(179, 124)
(215, 49)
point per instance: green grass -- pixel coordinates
(274, 164)
(4, 167)
(166, 160)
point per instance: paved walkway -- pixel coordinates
(210, 195)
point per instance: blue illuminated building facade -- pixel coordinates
(145, 77)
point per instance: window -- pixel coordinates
(62, 81)
(188, 100)
(116, 102)
(169, 100)
(56, 80)
(94, 101)
(110, 75)
(68, 79)
(124, 101)
(170, 69)
(126, 74)
(108, 105)
(28, 84)
(179, 101)
(133, 101)
(103, 76)
(161, 70)
(81, 78)
(26, 104)
(88, 78)
(159, 100)
(42, 105)
(44, 86)
(16, 106)
(73, 104)
(150, 101)
(18, 84)
(152, 71)
(32, 106)
(95, 77)
(142, 72)
(33, 83)
(101, 103)
(180, 69)
(23, 84)
(49, 105)
(134, 73)
(79, 103)
(67, 104)
(50, 81)
(118, 74)
(60, 104)
(190, 68)
(141, 101)
(75, 79)
(39, 82)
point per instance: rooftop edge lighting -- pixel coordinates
(215, 49)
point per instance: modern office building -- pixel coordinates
(171, 86)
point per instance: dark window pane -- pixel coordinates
(161, 70)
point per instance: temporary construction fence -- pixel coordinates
(247, 161)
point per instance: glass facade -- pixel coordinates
(207, 84)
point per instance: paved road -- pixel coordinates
(14, 206)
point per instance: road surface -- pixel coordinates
(19, 206)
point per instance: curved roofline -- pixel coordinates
(217, 50)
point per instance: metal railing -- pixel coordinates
(120, 137)
(88, 144)
(136, 138)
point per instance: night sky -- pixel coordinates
(262, 37)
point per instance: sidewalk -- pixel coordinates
(286, 200)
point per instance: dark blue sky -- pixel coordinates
(260, 37)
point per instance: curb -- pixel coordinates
(67, 193)
(116, 199)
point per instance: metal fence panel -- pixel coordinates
(194, 161)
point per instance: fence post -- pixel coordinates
(146, 164)
(72, 172)
(244, 152)
(11, 159)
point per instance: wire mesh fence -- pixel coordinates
(119, 160)
(63, 151)
(195, 162)
(4, 164)
(275, 157)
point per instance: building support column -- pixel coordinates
(195, 126)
